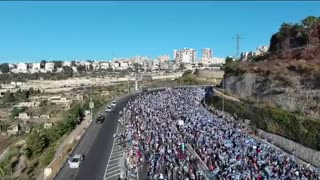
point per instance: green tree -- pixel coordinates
(57, 64)
(8, 97)
(68, 71)
(91, 67)
(81, 69)
(228, 60)
(16, 111)
(308, 24)
(182, 66)
(43, 103)
(4, 68)
(137, 67)
(43, 64)
(37, 142)
(22, 95)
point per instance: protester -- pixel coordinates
(162, 125)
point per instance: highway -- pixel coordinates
(96, 145)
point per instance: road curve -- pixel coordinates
(96, 145)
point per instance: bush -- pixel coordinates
(16, 111)
(302, 130)
(47, 157)
(8, 162)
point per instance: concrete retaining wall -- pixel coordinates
(307, 154)
(209, 73)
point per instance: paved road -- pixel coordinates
(97, 145)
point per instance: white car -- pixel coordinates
(75, 161)
(109, 109)
(114, 103)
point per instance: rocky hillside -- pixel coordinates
(288, 76)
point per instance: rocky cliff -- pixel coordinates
(288, 76)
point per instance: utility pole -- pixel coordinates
(91, 104)
(128, 83)
(237, 38)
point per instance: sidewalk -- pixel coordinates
(73, 135)
(69, 139)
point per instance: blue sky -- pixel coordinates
(32, 31)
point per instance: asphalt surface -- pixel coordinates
(96, 144)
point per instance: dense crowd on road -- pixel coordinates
(175, 137)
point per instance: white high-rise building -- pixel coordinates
(177, 56)
(206, 54)
(185, 55)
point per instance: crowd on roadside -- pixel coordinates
(163, 129)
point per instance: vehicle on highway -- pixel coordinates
(100, 119)
(75, 161)
(109, 109)
(114, 103)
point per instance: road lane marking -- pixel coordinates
(117, 166)
(109, 177)
(112, 172)
(113, 164)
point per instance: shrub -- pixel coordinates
(47, 157)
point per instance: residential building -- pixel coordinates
(49, 67)
(23, 116)
(104, 65)
(36, 66)
(244, 56)
(164, 58)
(13, 129)
(44, 116)
(115, 65)
(66, 63)
(206, 54)
(177, 56)
(27, 104)
(22, 68)
(261, 50)
(74, 69)
(185, 55)
(124, 65)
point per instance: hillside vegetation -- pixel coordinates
(288, 76)
(283, 85)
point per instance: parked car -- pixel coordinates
(75, 161)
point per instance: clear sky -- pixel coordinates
(32, 31)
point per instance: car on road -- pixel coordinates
(109, 109)
(75, 161)
(114, 103)
(100, 119)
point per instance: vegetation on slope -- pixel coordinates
(302, 130)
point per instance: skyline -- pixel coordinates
(32, 31)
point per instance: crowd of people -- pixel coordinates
(175, 137)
